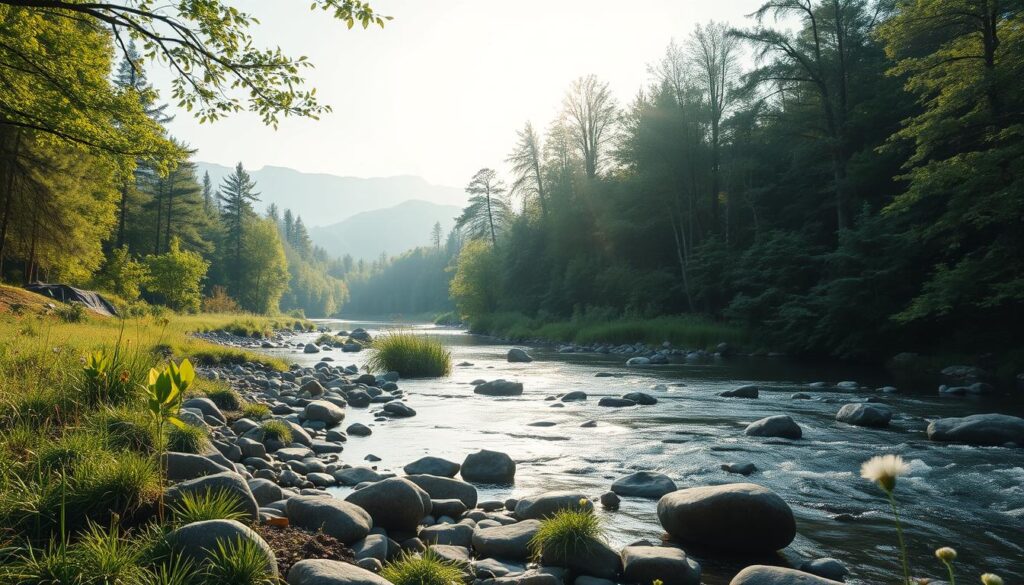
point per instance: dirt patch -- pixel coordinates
(292, 545)
(17, 301)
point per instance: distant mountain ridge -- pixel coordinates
(391, 231)
(323, 199)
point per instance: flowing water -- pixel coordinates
(971, 498)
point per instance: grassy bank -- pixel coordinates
(79, 472)
(686, 331)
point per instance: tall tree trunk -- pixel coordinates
(159, 216)
(122, 214)
(490, 219)
(681, 256)
(170, 209)
(9, 197)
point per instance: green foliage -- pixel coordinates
(488, 211)
(72, 312)
(475, 285)
(264, 268)
(255, 410)
(126, 428)
(122, 275)
(188, 439)
(176, 277)
(276, 430)
(566, 532)
(413, 283)
(239, 562)
(208, 505)
(425, 569)
(411, 355)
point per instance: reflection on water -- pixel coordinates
(967, 497)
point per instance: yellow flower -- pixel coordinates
(991, 579)
(946, 554)
(883, 470)
(657, 582)
(583, 502)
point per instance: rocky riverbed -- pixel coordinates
(385, 465)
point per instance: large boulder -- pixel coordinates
(517, 355)
(574, 396)
(511, 541)
(780, 425)
(644, 484)
(499, 388)
(979, 429)
(394, 504)
(324, 411)
(327, 572)
(591, 557)
(451, 534)
(432, 466)
(864, 415)
(736, 517)
(356, 475)
(199, 541)
(446, 488)
(182, 466)
(226, 481)
(265, 491)
(342, 520)
(310, 348)
(374, 546)
(206, 406)
(487, 466)
(547, 503)
(765, 575)
(748, 391)
(645, 564)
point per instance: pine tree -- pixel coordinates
(237, 197)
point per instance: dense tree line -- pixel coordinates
(859, 191)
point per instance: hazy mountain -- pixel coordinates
(392, 230)
(323, 199)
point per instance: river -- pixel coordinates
(970, 498)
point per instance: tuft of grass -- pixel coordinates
(239, 562)
(329, 339)
(255, 410)
(566, 532)
(425, 569)
(125, 428)
(65, 454)
(412, 356)
(188, 439)
(276, 430)
(209, 505)
(224, 397)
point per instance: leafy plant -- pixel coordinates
(208, 505)
(164, 395)
(412, 356)
(566, 532)
(239, 562)
(426, 569)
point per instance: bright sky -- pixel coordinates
(442, 89)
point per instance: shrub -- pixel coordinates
(412, 356)
(566, 532)
(225, 398)
(122, 275)
(427, 569)
(209, 505)
(187, 439)
(276, 430)
(255, 410)
(73, 312)
(220, 302)
(239, 562)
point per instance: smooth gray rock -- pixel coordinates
(864, 415)
(374, 546)
(324, 411)
(741, 392)
(199, 541)
(206, 406)
(356, 475)
(327, 572)
(516, 355)
(592, 557)
(506, 542)
(979, 429)
(612, 402)
(644, 484)
(499, 388)
(453, 508)
(452, 534)
(736, 517)
(446, 488)
(765, 575)
(780, 425)
(394, 504)
(828, 568)
(182, 466)
(610, 500)
(644, 564)
(265, 491)
(342, 520)
(432, 466)
(227, 481)
(399, 409)
(452, 554)
(487, 466)
(547, 503)
(574, 396)
(358, 430)
(739, 468)
(641, 398)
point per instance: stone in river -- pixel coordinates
(487, 466)
(589, 424)
(863, 415)
(736, 518)
(739, 468)
(644, 484)
(615, 402)
(394, 504)
(610, 500)
(741, 392)
(499, 388)
(765, 575)
(542, 423)
(310, 348)
(828, 568)
(432, 466)
(574, 396)
(979, 429)
(780, 425)
(671, 566)
(641, 398)
(516, 355)
(548, 503)
(506, 542)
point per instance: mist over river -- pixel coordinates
(971, 498)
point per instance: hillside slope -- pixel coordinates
(391, 231)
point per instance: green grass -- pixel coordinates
(188, 439)
(208, 505)
(225, 397)
(255, 410)
(566, 532)
(125, 428)
(238, 562)
(412, 356)
(684, 330)
(425, 569)
(277, 430)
